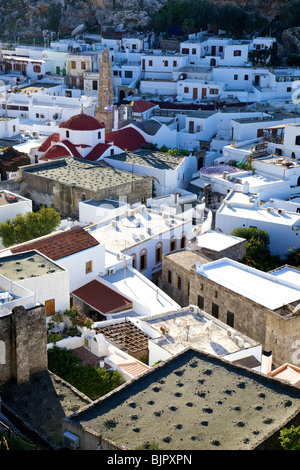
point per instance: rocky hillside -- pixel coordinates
(29, 18)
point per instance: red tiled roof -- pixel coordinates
(126, 138)
(82, 122)
(140, 106)
(48, 142)
(56, 151)
(72, 148)
(96, 152)
(102, 298)
(61, 244)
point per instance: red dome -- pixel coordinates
(82, 122)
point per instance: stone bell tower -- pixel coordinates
(104, 110)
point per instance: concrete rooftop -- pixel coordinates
(192, 401)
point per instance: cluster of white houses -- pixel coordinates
(197, 142)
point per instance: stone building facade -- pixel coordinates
(23, 344)
(176, 273)
(104, 110)
(277, 330)
(66, 187)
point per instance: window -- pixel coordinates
(237, 53)
(67, 134)
(83, 65)
(230, 318)
(128, 73)
(246, 77)
(95, 85)
(200, 301)
(112, 151)
(215, 310)
(182, 241)
(235, 77)
(297, 140)
(143, 259)
(158, 252)
(166, 63)
(150, 63)
(37, 69)
(169, 277)
(73, 64)
(187, 288)
(133, 261)
(289, 89)
(134, 46)
(99, 135)
(50, 307)
(216, 294)
(193, 51)
(191, 127)
(173, 244)
(178, 282)
(186, 89)
(88, 267)
(174, 63)
(185, 50)
(220, 48)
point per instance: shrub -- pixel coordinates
(88, 379)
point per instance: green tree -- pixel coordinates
(27, 226)
(53, 16)
(290, 438)
(257, 251)
(88, 379)
(232, 19)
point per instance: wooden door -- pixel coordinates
(195, 93)
(50, 307)
(203, 93)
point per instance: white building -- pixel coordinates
(238, 210)
(143, 234)
(12, 204)
(168, 171)
(40, 275)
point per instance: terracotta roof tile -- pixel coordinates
(48, 142)
(126, 138)
(56, 151)
(61, 244)
(102, 298)
(140, 106)
(82, 122)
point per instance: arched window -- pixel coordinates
(99, 135)
(67, 134)
(298, 181)
(158, 252)
(143, 259)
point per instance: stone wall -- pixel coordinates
(65, 198)
(23, 340)
(274, 331)
(236, 252)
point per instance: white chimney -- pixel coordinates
(266, 361)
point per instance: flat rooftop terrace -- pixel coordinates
(263, 288)
(192, 401)
(25, 265)
(153, 159)
(185, 329)
(88, 175)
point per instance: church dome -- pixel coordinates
(82, 122)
